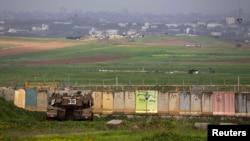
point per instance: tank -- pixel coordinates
(70, 106)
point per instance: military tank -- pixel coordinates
(70, 106)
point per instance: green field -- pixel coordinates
(219, 63)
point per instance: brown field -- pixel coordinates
(26, 47)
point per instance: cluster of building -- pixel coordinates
(229, 28)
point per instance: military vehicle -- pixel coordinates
(70, 106)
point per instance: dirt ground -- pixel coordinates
(26, 47)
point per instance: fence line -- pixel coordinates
(120, 84)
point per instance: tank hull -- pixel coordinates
(70, 107)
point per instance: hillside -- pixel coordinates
(11, 113)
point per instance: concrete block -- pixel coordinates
(201, 125)
(114, 124)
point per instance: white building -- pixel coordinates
(154, 26)
(193, 25)
(122, 24)
(215, 34)
(111, 32)
(172, 25)
(70, 22)
(214, 25)
(144, 28)
(146, 24)
(201, 24)
(230, 20)
(134, 24)
(12, 30)
(43, 27)
(132, 32)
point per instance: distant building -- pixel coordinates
(214, 25)
(172, 25)
(92, 31)
(110, 32)
(70, 22)
(193, 25)
(230, 20)
(12, 30)
(132, 32)
(122, 24)
(190, 31)
(15, 30)
(215, 34)
(154, 26)
(134, 24)
(201, 24)
(146, 24)
(43, 27)
(144, 28)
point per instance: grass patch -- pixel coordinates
(25, 125)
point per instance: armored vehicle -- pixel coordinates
(70, 106)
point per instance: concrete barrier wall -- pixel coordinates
(163, 103)
(19, 98)
(195, 103)
(42, 100)
(174, 103)
(119, 102)
(129, 102)
(224, 103)
(218, 103)
(229, 104)
(146, 101)
(185, 103)
(97, 96)
(7, 93)
(248, 104)
(207, 103)
(240, 104)
(30, 98)
(107, 102)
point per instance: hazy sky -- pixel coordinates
(142, 6)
